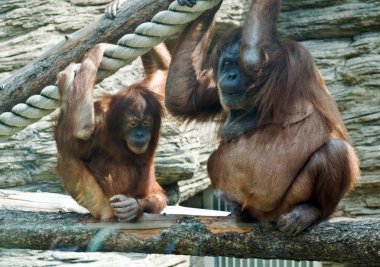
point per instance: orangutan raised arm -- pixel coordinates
(191, 87)
(259, 32)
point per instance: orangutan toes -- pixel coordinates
(298, 219)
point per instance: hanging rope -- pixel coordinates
(147, 35)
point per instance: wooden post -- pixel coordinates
(42, 72)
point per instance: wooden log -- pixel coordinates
(337, 240)
(41, 72)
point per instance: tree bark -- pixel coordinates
(338, 240)
(41, 72)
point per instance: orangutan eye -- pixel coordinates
(132, 123)
(146, 123)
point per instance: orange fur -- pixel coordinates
(295, 163)
(94, 161)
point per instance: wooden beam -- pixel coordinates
(337, 240)
(41, 72)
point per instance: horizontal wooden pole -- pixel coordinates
(338, 240)
(42, 71)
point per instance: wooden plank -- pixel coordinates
(51, 202)
(38, 201)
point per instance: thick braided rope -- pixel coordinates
(147, 35)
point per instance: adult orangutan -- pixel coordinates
(106, 149)
(284, 154)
